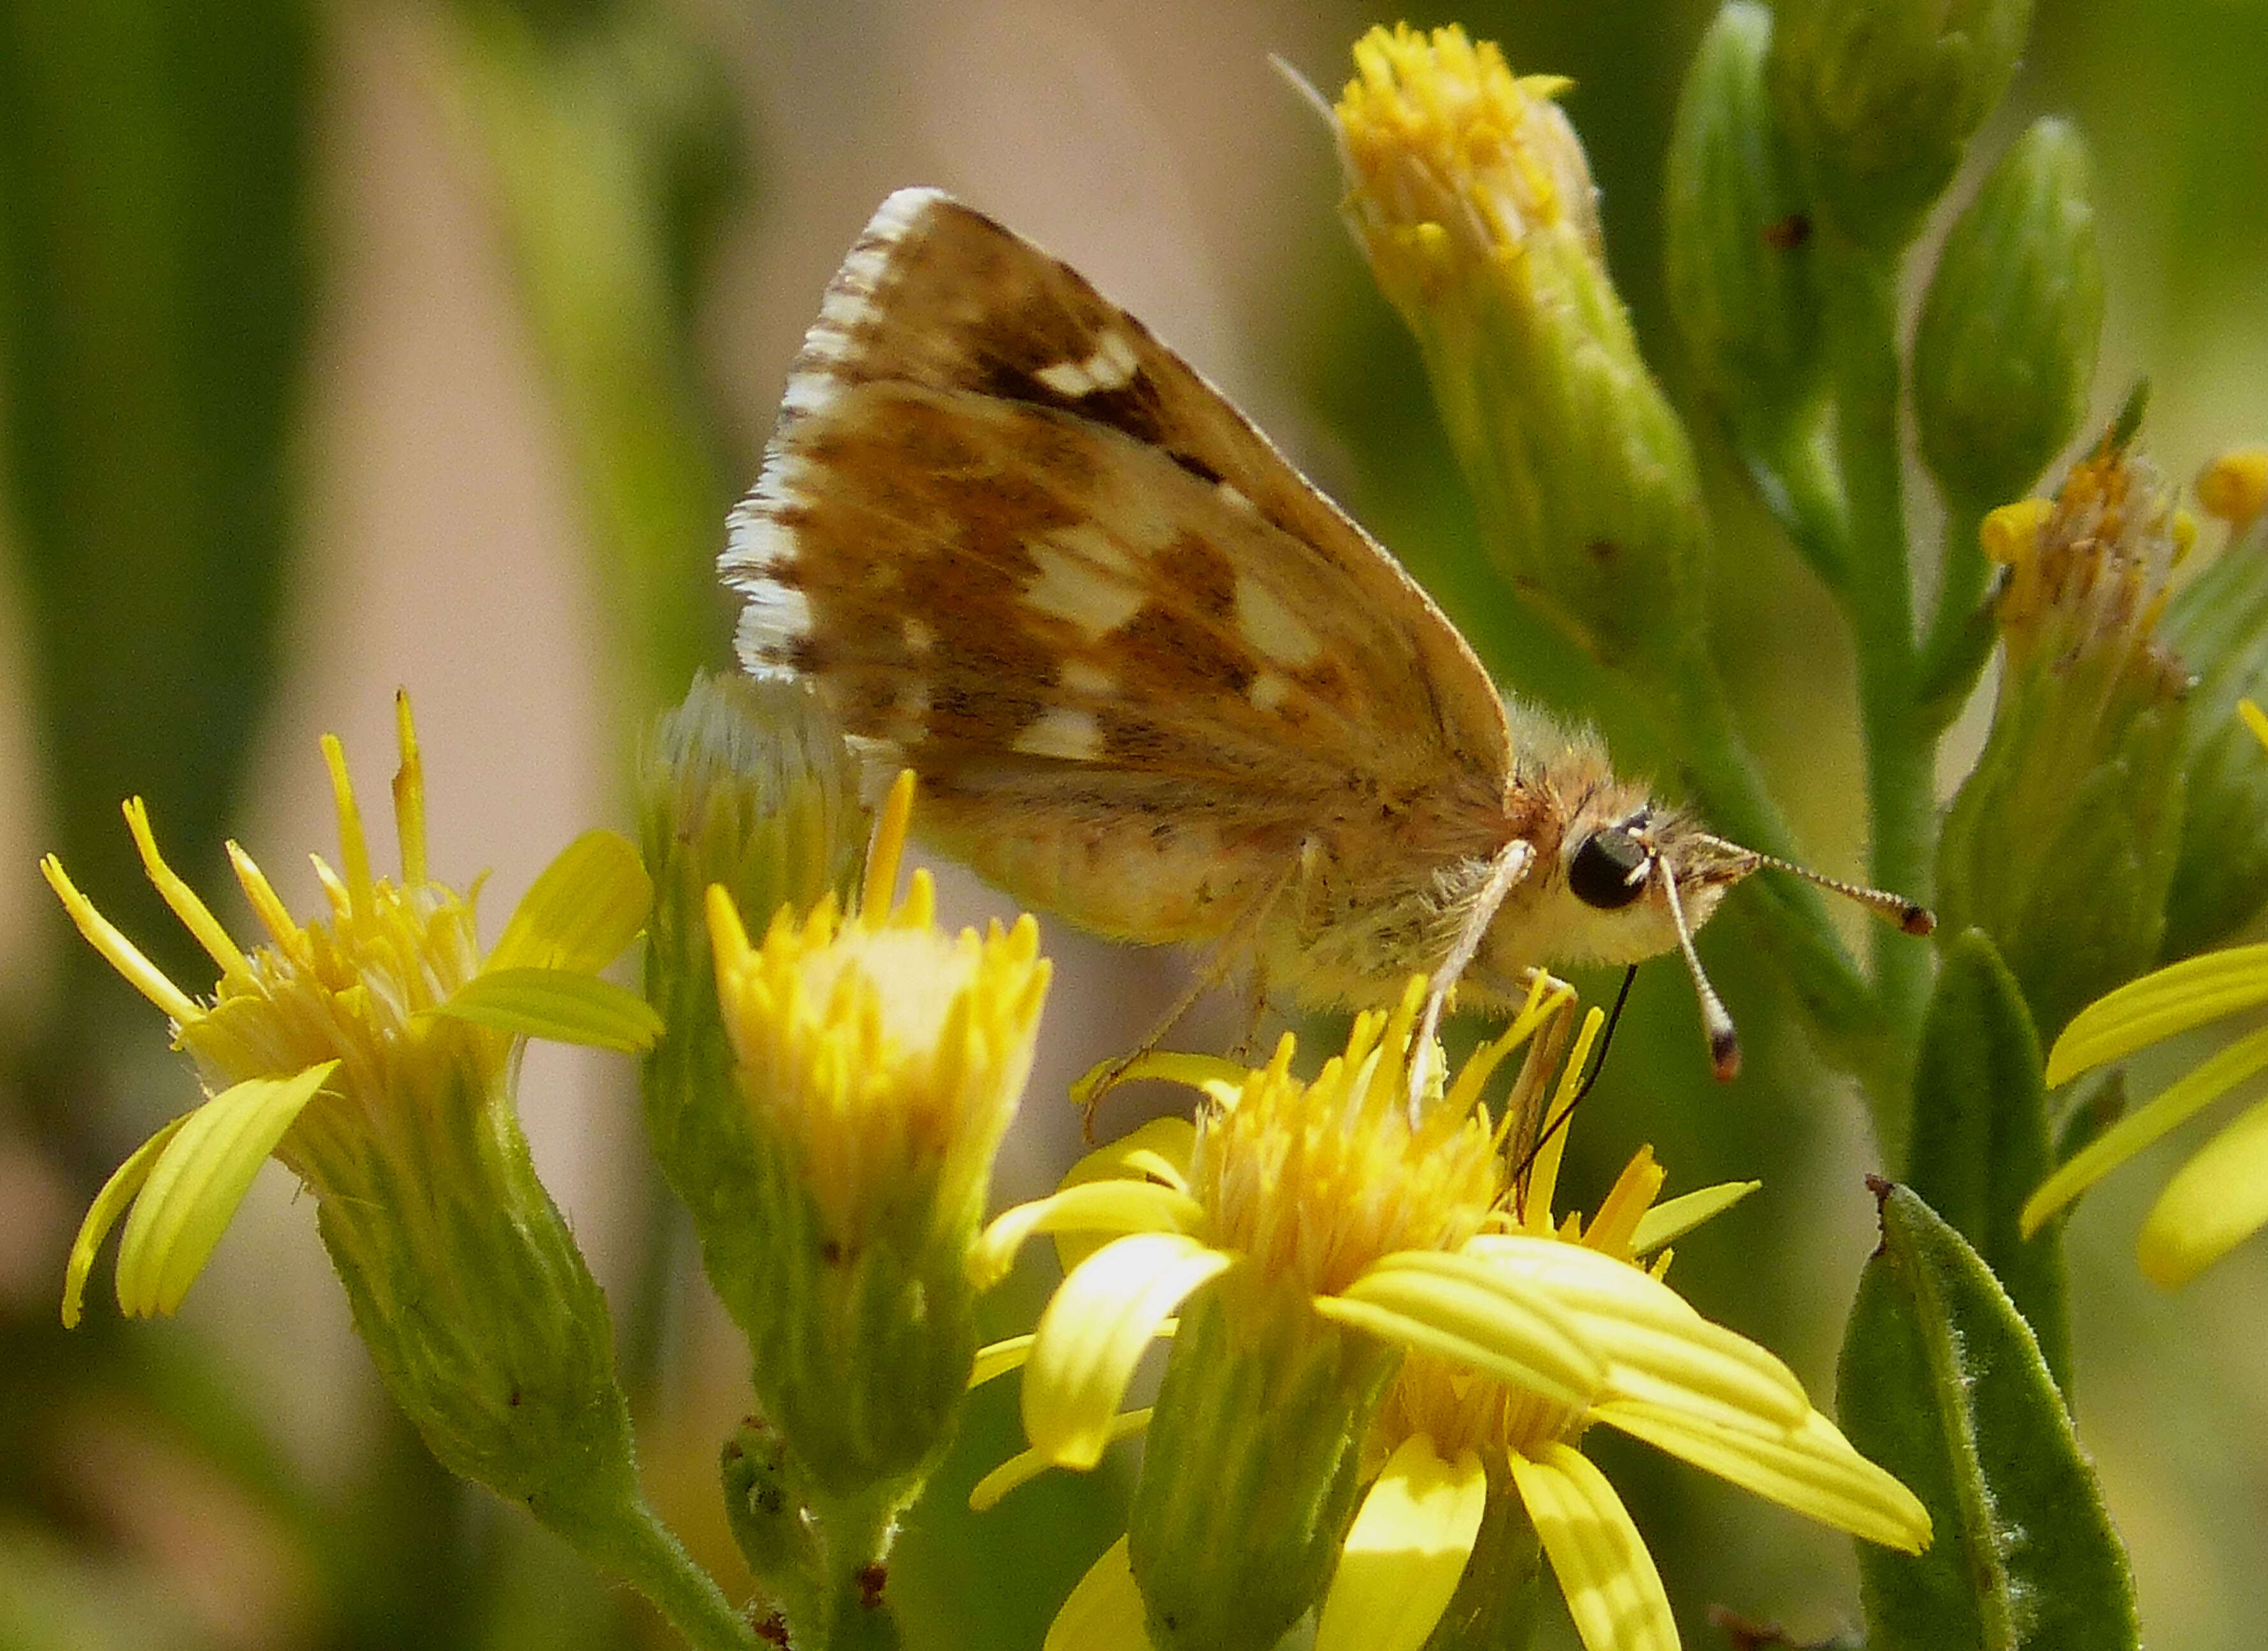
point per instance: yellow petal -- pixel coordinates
(581, 911)
(198, 1181)
(1405, 1552)
(563, 1005)
(2175, 1105)
(1095, 1329)
(1668, 1221)
(1027, 1466)
(1104, 1612)
(1811, 1469)
(2216, 1200)
(110, 1203)
(1102, 1207)
(1000, 1358)
(1158, 1150)
(2174, 999)
(1613, 1591)
(1655, 1346)
(1470, 1313)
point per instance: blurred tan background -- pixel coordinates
(443, 535)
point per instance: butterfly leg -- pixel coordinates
(1238, 940)
(1505, 870)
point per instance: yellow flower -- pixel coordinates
(373, 1052)
(1647, 1363)
(339, 1035)
(2219, 1197)
(881, 1062)
(1451, 1441)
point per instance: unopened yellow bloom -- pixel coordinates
(881, 1062)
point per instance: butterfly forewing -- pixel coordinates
(1137, 659)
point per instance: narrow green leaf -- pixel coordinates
(1942, 1384)
(1980, 1133)
(561, 1004)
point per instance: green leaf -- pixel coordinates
(561, 1004)
(2218, 623)
(1942, 1384)
(1980, 1136)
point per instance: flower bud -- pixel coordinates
(2005, 349)
(2061, 844)
(1470, 195)
(1738, 237)
(879, 1061)
(748, 785)
(1880, 97)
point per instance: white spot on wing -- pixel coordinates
(1111, 367)
(1081, 675)
(1232, 497)
(1070, 735)
(1269, 690)
(919, 638)
(1264, 620)
(1072, 590)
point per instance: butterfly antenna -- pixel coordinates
(1723, 1041)
(1911, 915)
(1305, 87)
(1598, 1065)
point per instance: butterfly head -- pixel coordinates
(1636, 880)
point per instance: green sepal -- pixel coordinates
(1980, 1133)
(2218, 623)
(1249, 1473)
(1941, 1382)
(765, 1510)
(560, 1004)
(1949, 671)
(581, 911)
(2004, 352)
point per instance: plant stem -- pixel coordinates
(639, 1548)
(1862, 342)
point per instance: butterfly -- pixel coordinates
(1152, 679)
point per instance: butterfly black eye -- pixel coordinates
(1608, 868)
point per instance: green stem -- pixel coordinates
(1901, 749)
(639, 1548)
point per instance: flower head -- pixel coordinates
(335, 1040)
(1461, 1425)
(371, 1050)
(1469, 193)
(2062, 843)
(2219, 1197)
(881, 1062)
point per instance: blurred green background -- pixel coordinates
(350, 345)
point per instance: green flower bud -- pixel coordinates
(2007, 346)
(1737, 236)
(2061, 845)
(2219, 623)
(747, 784)
(1251, 1471)
(1470, 195)
(1880, 97)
